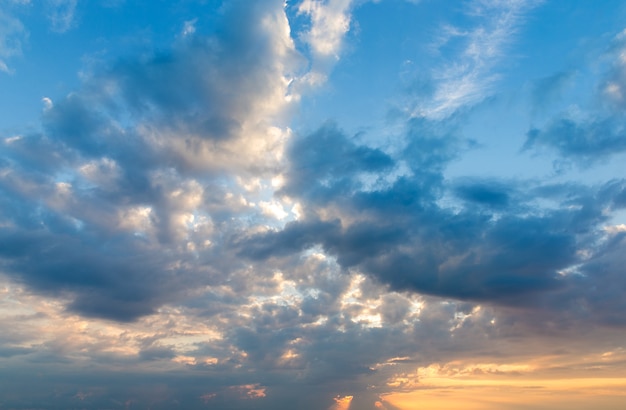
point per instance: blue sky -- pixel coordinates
(317, 204)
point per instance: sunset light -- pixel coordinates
(313, 204)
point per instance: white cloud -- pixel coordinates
(614, 86)
(330, 21)
(189, 27)
(12, 36)
(47, 103)
(273, 209)
(62, 14)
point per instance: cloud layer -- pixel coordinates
(171, 237)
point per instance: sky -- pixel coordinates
(312, 204)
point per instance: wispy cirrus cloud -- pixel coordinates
(13, 32)
(469, 76)
(61, 14)
(12, 36)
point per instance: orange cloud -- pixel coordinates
(341, 403)
(250, 391)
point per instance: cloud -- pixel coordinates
(595, 291)
(496, 246)
(189, 27)
(486, 193)
(165, 225)
(132, 163)
(612, 88)
(550, 88)
(287, 357)
(586, 142)
(591, 136)
(12, 36)
(330, 21)
(61, 14)
(326, 162)
(467, 78)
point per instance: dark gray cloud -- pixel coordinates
(113, 278)
(329, 362)
(595, 288)
(486, 193)
(108, 390)
(325, 162)
(499, 247)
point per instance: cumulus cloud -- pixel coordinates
(166, 225)
(330, 21)
(493, 249)
(119, 162)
